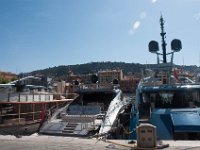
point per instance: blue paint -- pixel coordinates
(162, 120)
(133, 124)
(186, 121)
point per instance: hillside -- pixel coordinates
(94, 67)
(87, 68)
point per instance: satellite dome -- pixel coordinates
(94, 78)
(115, 81)
(153, 47)
(176, 45)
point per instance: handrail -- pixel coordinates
(35, 97)
(16, 114)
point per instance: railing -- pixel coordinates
(97, 86)
(35, 97)
(25, 97)
(85, 121)
(23, 107)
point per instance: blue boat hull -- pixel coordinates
(172, 123)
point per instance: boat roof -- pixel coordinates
(170, 87)
(97, 89)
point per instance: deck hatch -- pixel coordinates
(186, 121)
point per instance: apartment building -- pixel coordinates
(8, 76)
(107, 76)
(129, 84)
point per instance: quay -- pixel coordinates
(44, 142)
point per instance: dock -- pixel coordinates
(44, 142)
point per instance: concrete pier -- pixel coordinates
(43, 142)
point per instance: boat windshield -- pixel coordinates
(91, 103)
(172, 99)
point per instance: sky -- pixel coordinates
(38, 34)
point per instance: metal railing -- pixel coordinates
(35, 97)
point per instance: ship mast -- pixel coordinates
(163, 36)
(176, 46)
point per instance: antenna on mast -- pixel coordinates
(163, 35)
(176, 45)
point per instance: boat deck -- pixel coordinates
(62, 128)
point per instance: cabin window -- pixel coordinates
(166, 97)
(145, 98)
(152, 97)
(145, 105)
(177, 99)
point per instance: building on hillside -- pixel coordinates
(107, 76)
(84, 78)
(129, 84)
(8, 76)
(60, 87)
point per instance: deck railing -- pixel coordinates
(35, 97)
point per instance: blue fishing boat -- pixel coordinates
(166, 98)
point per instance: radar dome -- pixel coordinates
(94, 78)
(176, 45)
(153, 47)
(115, 81)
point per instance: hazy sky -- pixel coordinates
(37, 34)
